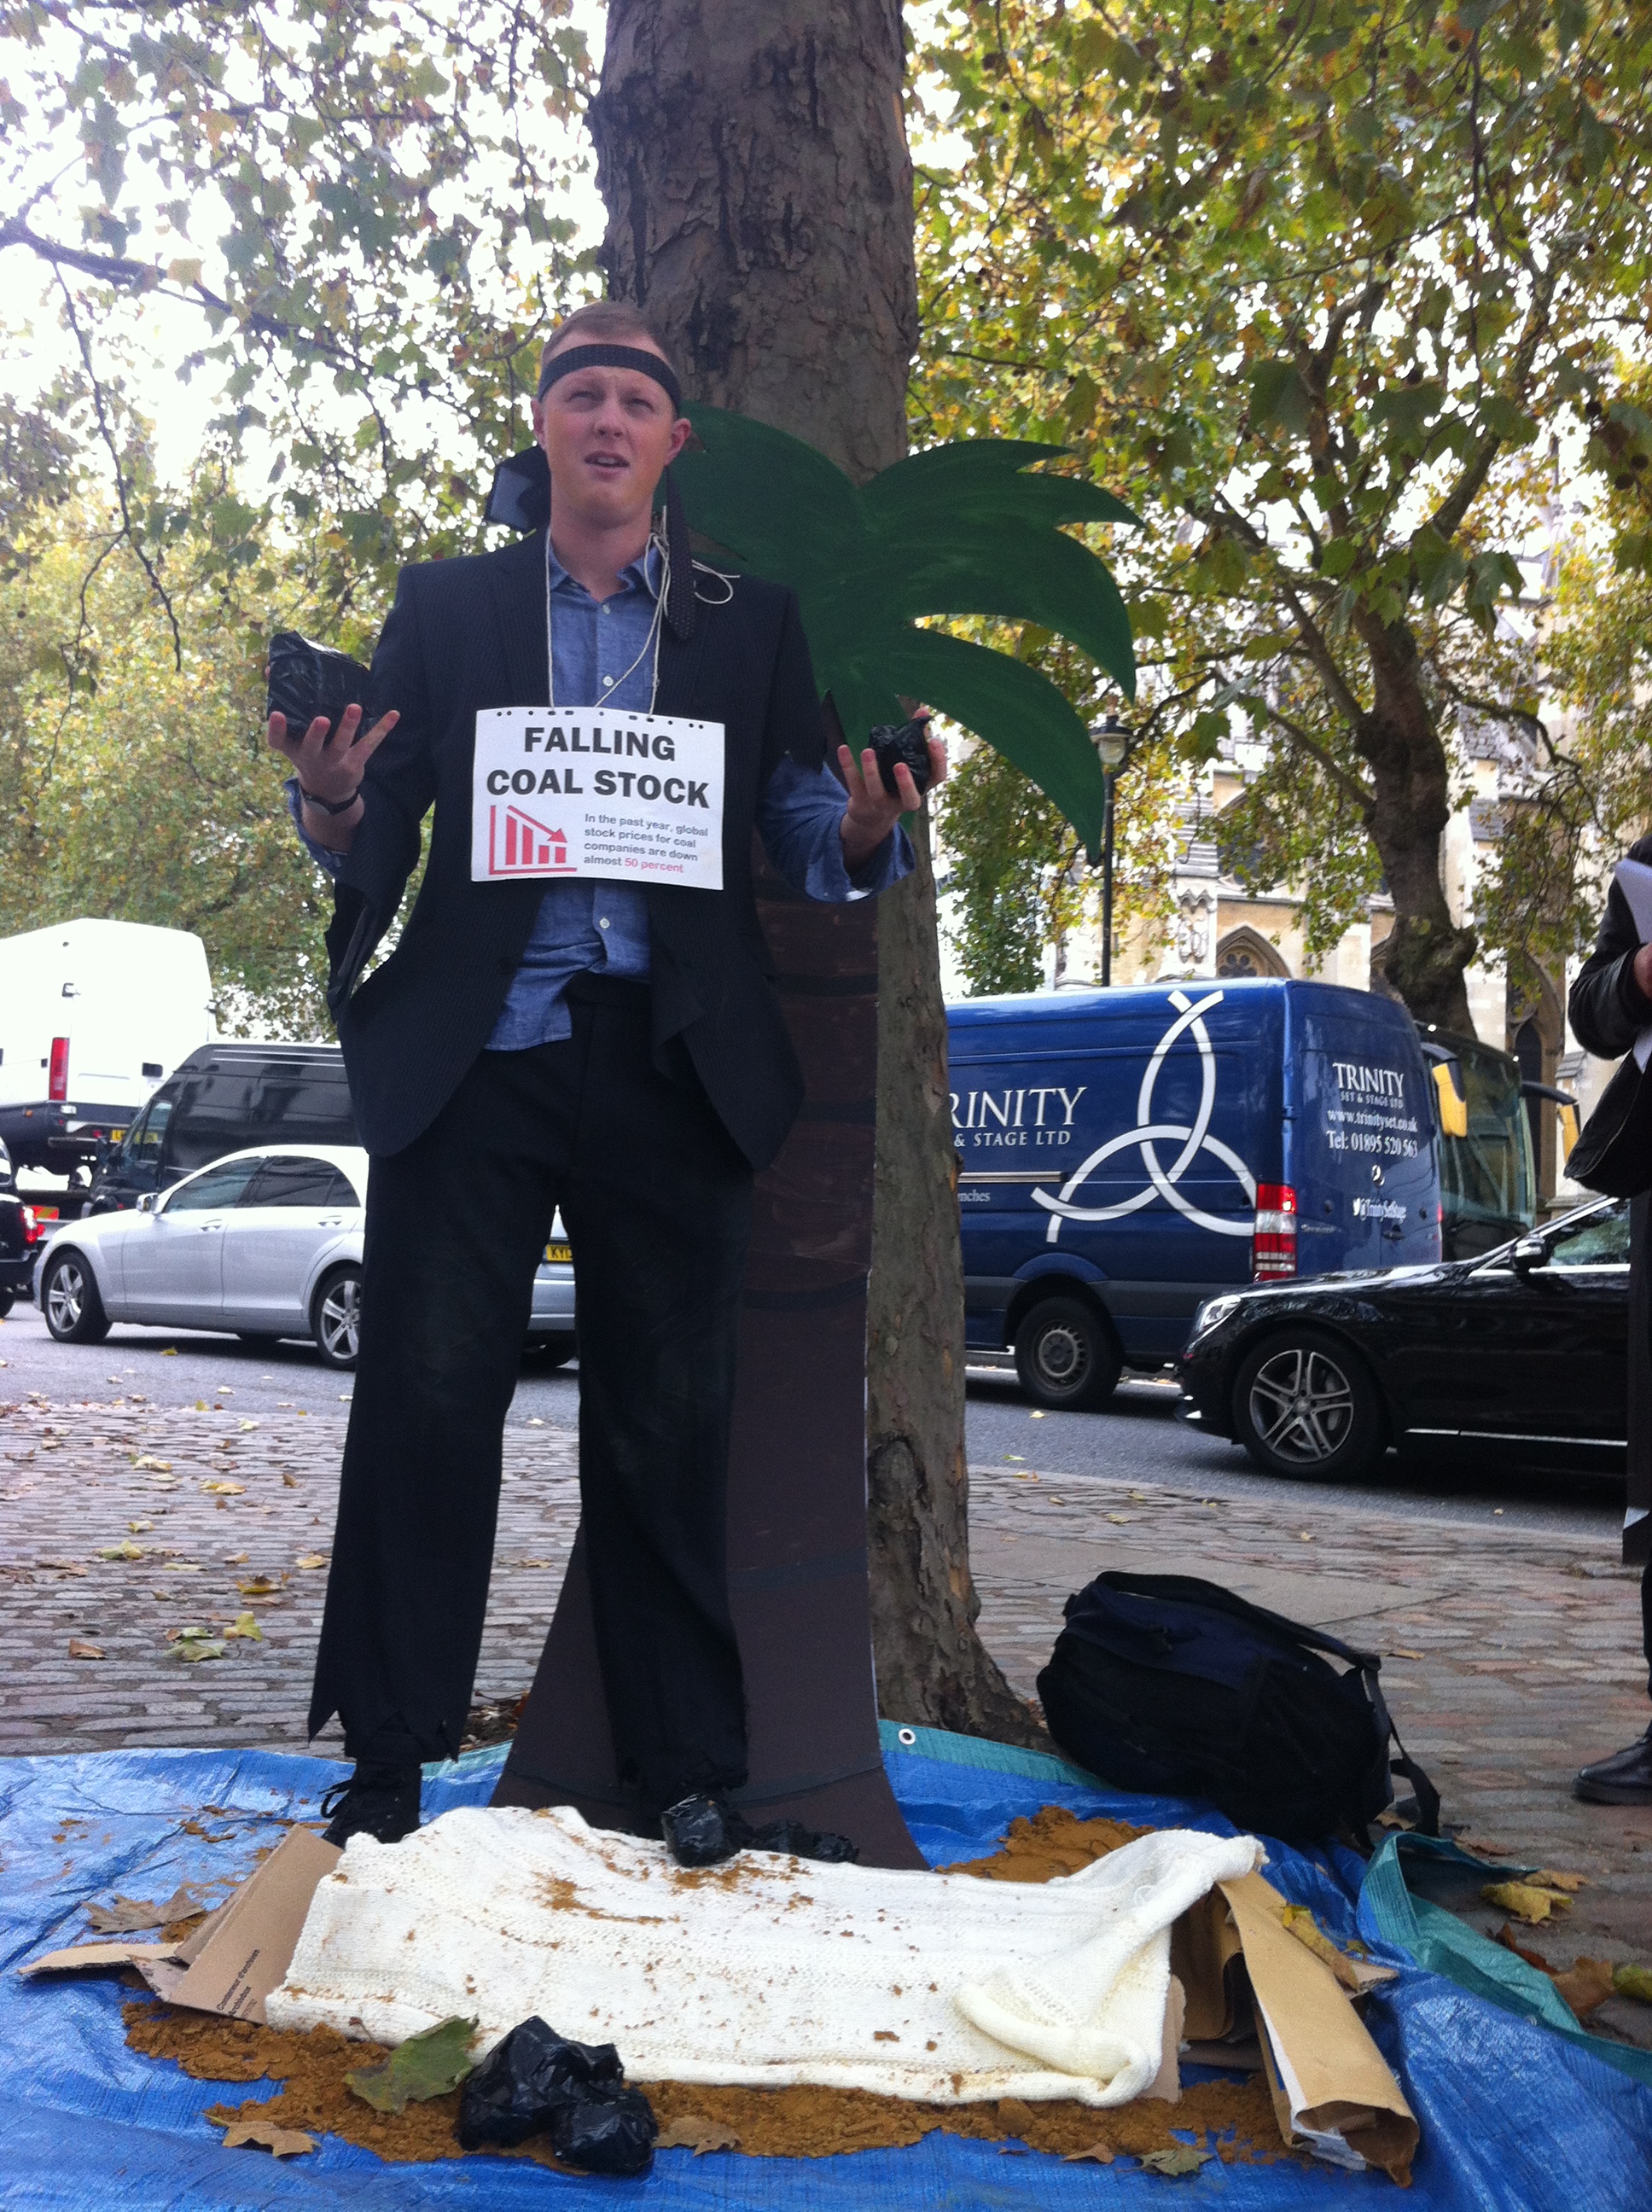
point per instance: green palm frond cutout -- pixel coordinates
(960, 530)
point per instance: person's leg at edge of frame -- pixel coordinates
(658, 1208)
(455, 1228)
(1626, 1778)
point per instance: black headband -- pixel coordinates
(612, 356)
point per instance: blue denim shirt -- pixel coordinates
(603, 926)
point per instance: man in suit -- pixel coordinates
(1610, 1004)
(610, 1048)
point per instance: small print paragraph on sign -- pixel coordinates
(587, 791)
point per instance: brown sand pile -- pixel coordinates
(802, 2123)
(1233, 2119)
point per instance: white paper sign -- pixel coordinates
(595, 794)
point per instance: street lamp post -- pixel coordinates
(1112, 741)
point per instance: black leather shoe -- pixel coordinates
(1626, 1778)
(382, 1801)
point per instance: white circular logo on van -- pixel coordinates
(1162, 1181)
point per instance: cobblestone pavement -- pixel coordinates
(1511, 1655)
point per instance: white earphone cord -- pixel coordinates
(652, 639)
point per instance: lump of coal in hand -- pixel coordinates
(306, 679)
(536, 2081)
(908, 741)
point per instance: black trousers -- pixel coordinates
(658, 1206)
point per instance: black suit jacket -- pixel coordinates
(1607, 1008)
(468, 634)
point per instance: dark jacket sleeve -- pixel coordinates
(793, 723)
(397, 790)
(1607, 1007)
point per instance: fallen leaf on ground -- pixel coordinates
(1102, 2154)
(1400, 1652)
(193, 1645)
(79, 1648)
(258, 1586)
(694, 2133)
(288, 1483)
(1510, 1941)
(63, 1566)
(250, 1425)
(1182, 2159)
(140, 1528)
(227, 1489)
(1628, 1981)
(170, 1352)
(1548, 1877)
(426, 2065)
(1302, 1925)
(124, 1550)
(1585, 1984)
(153, 1465)
(200, 1405)
(244, 1625)
(314, 1559)
(129, 1914)
(1121, 1519)
(264, 2135)
(1524, 1901)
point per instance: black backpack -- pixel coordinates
(1176, 1687)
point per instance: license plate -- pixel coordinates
(562, 1253)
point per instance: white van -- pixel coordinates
(93, 1016)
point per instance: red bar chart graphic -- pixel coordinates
(518, 845)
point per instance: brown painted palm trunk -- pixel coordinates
(759, 196)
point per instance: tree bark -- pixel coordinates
(1423, 959)
(759, 194)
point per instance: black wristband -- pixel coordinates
(328, 806)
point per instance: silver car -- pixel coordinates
(265, 1242)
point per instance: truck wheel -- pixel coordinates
(1304, 1405)
(69, 1298)
(336, 1316)
(1066, 1355)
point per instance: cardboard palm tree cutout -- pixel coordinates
(959, 530)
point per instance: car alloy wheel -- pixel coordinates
(74, 1312)
(1306, 1406)
(338, 1319)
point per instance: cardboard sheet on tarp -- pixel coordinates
(1504, 2105)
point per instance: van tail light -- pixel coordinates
(1273, 1253)
(32, 1231)
(57, 1074)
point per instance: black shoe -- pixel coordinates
(1626, 1778)
(382, 1801)
(705, 1830)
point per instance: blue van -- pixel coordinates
(1125, 1154)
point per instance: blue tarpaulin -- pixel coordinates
(1514, 2118)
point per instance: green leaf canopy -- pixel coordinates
(959, 530)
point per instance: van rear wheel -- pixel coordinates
(1066, 1355)
(1305, 1406)
(68, 1300)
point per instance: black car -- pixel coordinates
(20, 1238)
(1525, 1345)
(225, 1097)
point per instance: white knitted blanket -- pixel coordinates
(768, 1970)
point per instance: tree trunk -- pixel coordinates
(759, 195)
(1424, 957)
